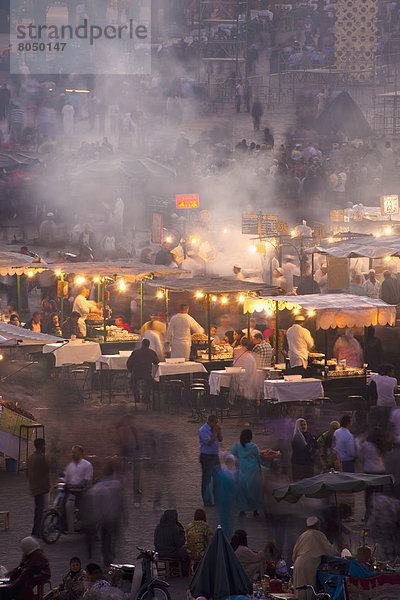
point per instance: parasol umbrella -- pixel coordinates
(322, 486)
(220, 574)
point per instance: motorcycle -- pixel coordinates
(140, 581)
(54, 518)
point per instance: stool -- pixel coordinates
(4, 519)
(172, 567)
(40, 590)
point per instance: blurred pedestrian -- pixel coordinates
(38, 473)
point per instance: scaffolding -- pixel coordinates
(223, 40)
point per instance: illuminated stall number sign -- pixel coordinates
(188, 201)
(390, 205)
(264, 225)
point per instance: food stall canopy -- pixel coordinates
(130, 270)
(367, 246)
(325, 484)
(10, 333)
(213, 285)
(14, 263)
(332, 310)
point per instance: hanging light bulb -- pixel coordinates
(96, 280)
(30, 273)
(388, 258)
(252, 249)
(296, 311)
(214, 298)
(199, 295)
(160, 294)
(224, 300)
(377, 234)
(58, 273)
(168, 239)
(311, 313)
(241, 298)
(79, 280)
(293, 233)
(388, 230)
(330, 240)
(122, 285)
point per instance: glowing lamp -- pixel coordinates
(388, 230)
(30, 273)
(168, 239)
(224, 300)
(296, 311)
(199, 295)
(79, 280)
(388, 258)
(96, 280)
(160, 294)
(293, 233)
(330, 240)
(122, 285)
(58, 273)
(214, 298)
(269, 312)
(193, 240)
(311, 313)
(225, 230)
(252, 249)
(241, 298)
(1, 357)
(377, 235)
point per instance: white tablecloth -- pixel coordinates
(113, 362)
(164, 368)
(221, 378)
(9, 444)
(74, 353)
(286, 391)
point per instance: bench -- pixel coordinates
(170, 567)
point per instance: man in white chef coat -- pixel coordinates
(84, 306)
(180, 328)
(300, 343)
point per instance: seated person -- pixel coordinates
(121, 324)
(33, 569)
(252, 562)
(54, 326)
(73, 583)
(96, 585)
(169, 537)
(14, 320)
(198, 535)
(71, 327)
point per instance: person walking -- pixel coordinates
(257, 112)
(38, 473)
(304, 448)
(344, 444)
(238, 96)
(250, 488)
(210, 436)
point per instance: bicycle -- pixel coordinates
(317, 595)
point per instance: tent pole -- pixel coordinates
(208, 325)
(312, 273)
(141, 303)
(276, 332)
(62, 298)
(19, 295)
(166, 306)
(326, 347)
(365, 343)
(104, 312)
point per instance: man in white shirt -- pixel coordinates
(83, 306)
(289, 269)
(321, 277)
(180, 328)
(372, 286)
(78, 476)
(153, 336)
(300, 343)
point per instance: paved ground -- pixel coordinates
(170, 473)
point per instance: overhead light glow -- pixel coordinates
(168, 239)
(30, 273)
(224, 300)
(269, 312)
(388, 258)
(311, 313)
(194, 240)
(377, 235)
(199, 295)
(79, 280)
(214, 298)
(225, 230)
(388, 230)
(252, 249)
(96, 280)
(122, 285)
(58, 273)
(1, 357)
(330, 240)
(241, 298)
(160, 294)
(293, 233)
(296, 311)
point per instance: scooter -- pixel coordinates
(54, 517)
(140, 581)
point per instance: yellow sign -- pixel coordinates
(281, 227)
(11, 421)
(390, 205)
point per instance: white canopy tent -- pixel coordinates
(332, 310)
(367, 246)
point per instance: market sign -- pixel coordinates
(156, 228)
(188, 201)
(263, 225)
(338, 273)
(390, 205)
(64, 288)
(281, 227)
(337, 215)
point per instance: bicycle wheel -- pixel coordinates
(155, 593)
(50, 532)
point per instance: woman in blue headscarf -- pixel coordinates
(225, 492)
(250, 488)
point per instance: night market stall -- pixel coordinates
(326, 312)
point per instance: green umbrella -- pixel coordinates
(220, 574)
(322, 486)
